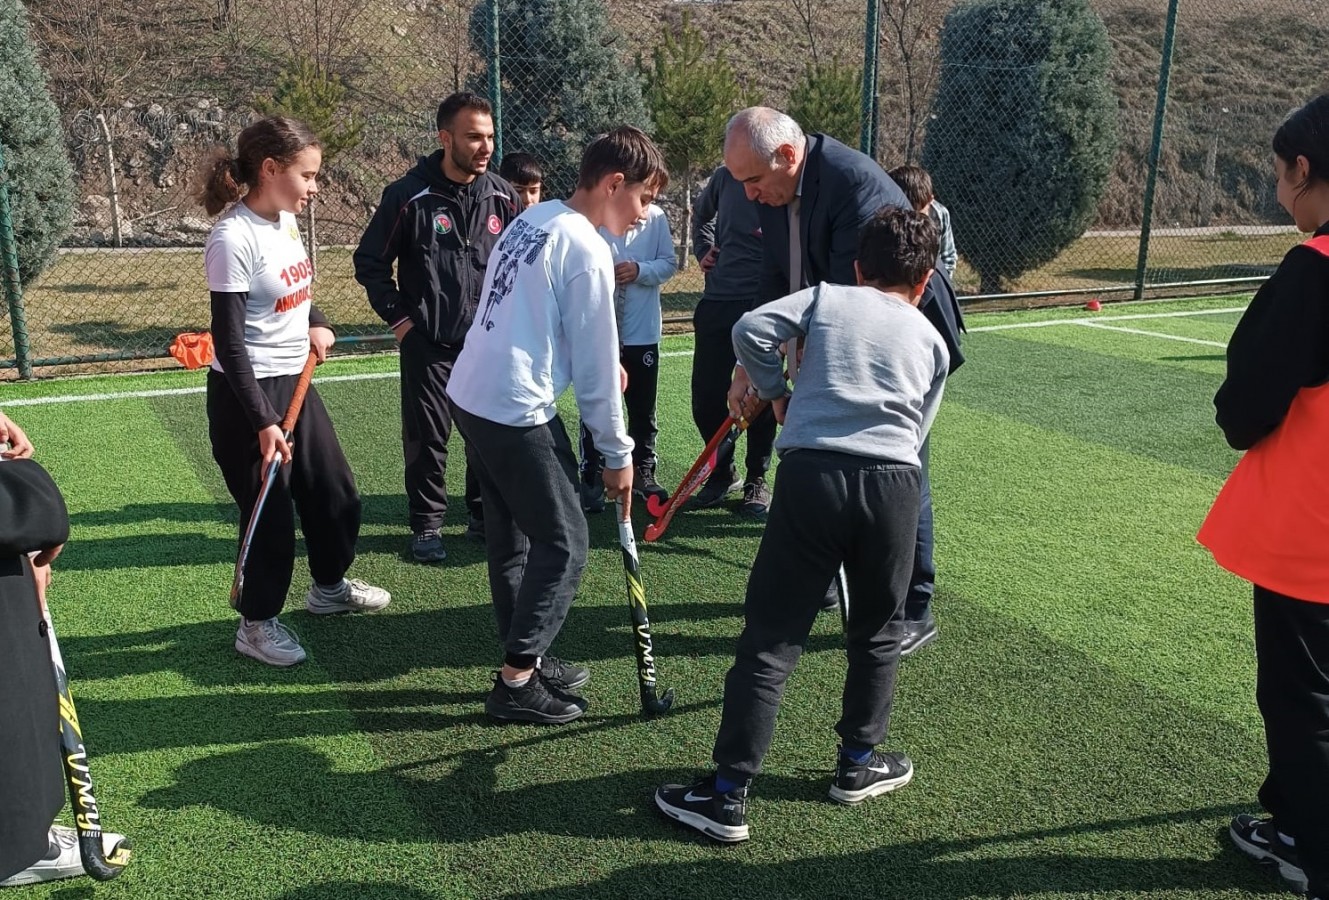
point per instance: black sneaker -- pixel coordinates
(562, 676)
(1258, 839)
(427, 546)
(475, 528)
(918, 635)
(720, 485)
(532, 702)
(881, 774)
(647, 488)
(593, 497)
(756, 500)
(722, 817)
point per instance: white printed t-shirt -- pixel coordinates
(546, 320)
(247, 253)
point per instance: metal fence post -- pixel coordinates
(1155, 149)
(13, 287)
(495, 78)
(867, 138)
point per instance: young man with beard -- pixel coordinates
(438, 224)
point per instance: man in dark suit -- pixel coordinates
(815, 194)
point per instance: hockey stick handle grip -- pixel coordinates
(298, 396)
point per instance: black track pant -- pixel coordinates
(642, 362)
(1292, 688)
(713, 371)
(318, 480)
(426, 426)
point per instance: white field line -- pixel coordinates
(176, 392)
(373, 376)
(1154, 334)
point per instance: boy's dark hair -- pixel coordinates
(1306, 133)
(627, 150)
(455, 103)
(521, 169)
(897, 247)
(915, 182)
(225, 177)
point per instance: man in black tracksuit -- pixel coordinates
(438, 223)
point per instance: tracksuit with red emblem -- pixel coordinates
(439, 234)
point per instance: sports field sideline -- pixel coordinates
(1084, 727)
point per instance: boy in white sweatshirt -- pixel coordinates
(546, 320)
(643, 261)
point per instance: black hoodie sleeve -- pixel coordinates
(380, 246)
(228, 343)
(32, 512)
(319, 319)
(1280, 346)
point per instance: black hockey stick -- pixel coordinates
(87, 819)
(641, 624)
(269, 476)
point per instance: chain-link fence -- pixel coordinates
(146, 87)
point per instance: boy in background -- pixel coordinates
(917, 186)
(524, 172)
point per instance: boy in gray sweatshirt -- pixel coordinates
(846, 493)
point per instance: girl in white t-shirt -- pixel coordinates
(264, 327)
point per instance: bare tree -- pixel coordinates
(322, 30)
(810, 12)
(911, 31)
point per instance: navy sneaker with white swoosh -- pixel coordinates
(722, 817)
(880, 774)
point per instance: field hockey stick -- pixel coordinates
(651, 704)
(719, 447)
(74, 755)
(269, 476)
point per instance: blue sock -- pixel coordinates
(724, 785)
(857, 757)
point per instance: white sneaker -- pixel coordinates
(269, 641)
(62, 860)
(354, 596)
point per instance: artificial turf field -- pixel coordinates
(1084, 727)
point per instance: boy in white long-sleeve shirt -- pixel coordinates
(546, 320)
(643, 261)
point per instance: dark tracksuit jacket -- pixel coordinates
(439, 235)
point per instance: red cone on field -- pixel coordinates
(1093, 305)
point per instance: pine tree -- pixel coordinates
(691, 96)
(305, 92)
(564, 80)
(828, 99)
(40, 179)
(1025, 130)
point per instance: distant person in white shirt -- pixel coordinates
(546, 320)
(643, 261)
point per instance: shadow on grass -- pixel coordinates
(356, 890)
(1203, 357)
(618, 807)
(121, 336)
(359, 649)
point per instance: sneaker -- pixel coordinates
(881, 774)
(918, 634)
(647, 488)
(475, 528)
(722, 817)
(269, 641)
(593, 497)
(1259, 839)
(532, 702)
(562, 676)
(353, 596)
(62, 859)
(756, 500)
(720, 485)
(427, 546)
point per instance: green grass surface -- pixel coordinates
(1084, 727)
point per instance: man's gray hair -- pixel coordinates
(763, 129)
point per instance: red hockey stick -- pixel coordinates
(718, 446)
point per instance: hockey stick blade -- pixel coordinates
(652, 702)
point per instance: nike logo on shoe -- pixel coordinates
(690, 797)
